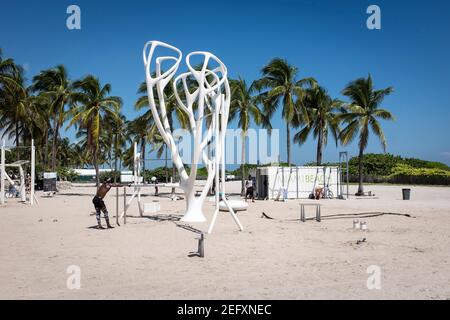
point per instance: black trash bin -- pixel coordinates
(406, 194)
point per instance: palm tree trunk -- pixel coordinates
(288, 143)
(97, 171)
(110, 157)
(55, 138)
(46, 148)
(360, 172)
(17, 142)
(319, 148)
(115, 157)
(244, 134)
(143, 154)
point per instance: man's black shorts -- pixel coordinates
(98, 203)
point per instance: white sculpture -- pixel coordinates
(207, 107)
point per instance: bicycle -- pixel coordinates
(327, 193)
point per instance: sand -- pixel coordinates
(272, 259)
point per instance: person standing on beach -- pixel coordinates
(99, 204)
(249, 187)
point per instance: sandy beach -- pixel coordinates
(272, 259)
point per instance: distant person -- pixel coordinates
(13, 192)
(99, 204)
(155, 182)
(249, 187)
(318, 193)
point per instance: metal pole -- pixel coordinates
(134, 163)
(346, 160)
(23, 192)
(218, 186)
(339, 178)
(33, 164)
(124, 205)
(201, 246)
(117, 206)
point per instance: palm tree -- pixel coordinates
(279, 79)
(92, 103)
(41, 127)
(13, 98)
(158, 145)
(64, 152)
(243, 106)
(321, 119)
(17, 107)
(362, 116)
(7, 69)
(114, 127)
(119, 132)
(56, 85)
(80, 157)
(138, 130)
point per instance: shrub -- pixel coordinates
(403, 173)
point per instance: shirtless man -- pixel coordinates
(100, 205)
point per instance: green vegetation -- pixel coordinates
(402, 173)
(387, 168)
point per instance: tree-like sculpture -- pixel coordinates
(204, 95)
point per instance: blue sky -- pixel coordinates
(325, 39)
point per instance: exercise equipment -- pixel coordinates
(302, 211)
(24, 180)
(124, 213)
(138, 183)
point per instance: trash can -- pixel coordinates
(406, 194)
